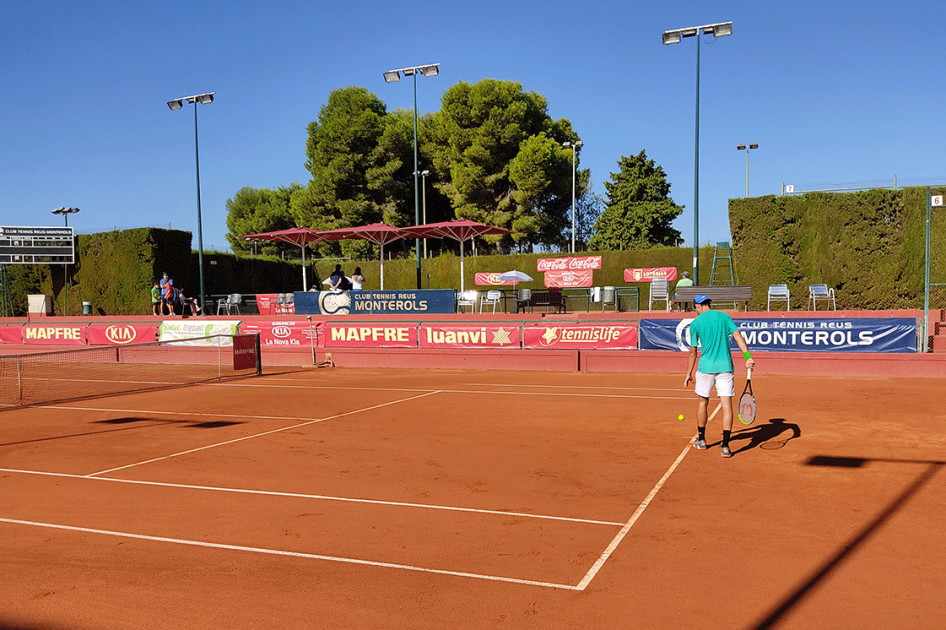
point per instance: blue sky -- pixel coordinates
(837, 94)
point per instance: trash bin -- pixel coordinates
(87, 308)
(608, 295)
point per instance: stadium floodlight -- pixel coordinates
(719, 29)
(742, 147)
(178, 103)
(574, 147)
(65, 212)
(392, 76)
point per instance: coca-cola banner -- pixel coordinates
(566, 279)
(370, 335)
(490, 336)
(587, 336)
(490, 279)
(649, 273)
(582, 263)
(286, 333)
(120, 334)
(62, 334)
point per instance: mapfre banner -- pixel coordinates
(120, 334)
(62, 334)
(647, 274)
(566, 279)
(370, 336)
(568, 264)
(491, 336)
(588, 336)
(490, 280)
(278, 334)
(11, 334)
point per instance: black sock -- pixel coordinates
(701, 432)
(726, 435)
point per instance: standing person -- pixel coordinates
(167, 293)
(682, 282)
(155, 297)
(711, 330)
(337, 278)
(357, 280)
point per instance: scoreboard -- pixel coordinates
(37, 246)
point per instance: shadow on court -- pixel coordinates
(766, 436)
(128, 423)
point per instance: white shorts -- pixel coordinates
(725, 384)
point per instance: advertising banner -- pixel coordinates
(120, 334)
(491, 279)
(375, 302)
(566, 279)
(586, 336)
(11, 334)
(646, 274)
(368, 335)
(244, 353)
(62, 334)
(489, 336)
(194, 330)
(794, 335)
(276, 334)
(581, 263)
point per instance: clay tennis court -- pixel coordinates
(343, 498)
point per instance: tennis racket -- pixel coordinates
(747, 406)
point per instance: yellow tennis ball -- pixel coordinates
(680, 417)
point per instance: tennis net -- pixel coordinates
(45, 377)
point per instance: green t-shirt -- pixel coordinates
(155, 295)
(684, 282)
(712, 330)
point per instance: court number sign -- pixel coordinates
(937, 200)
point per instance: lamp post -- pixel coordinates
(178, 103)
(65, 212)
(740, 147)
(574, 146)
(720, 29)
(423, 188)
(393, 76)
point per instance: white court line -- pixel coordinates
(318, 497)
(293, 554)
(627, 527)
(250, 437)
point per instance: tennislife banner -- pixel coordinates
(855, 334)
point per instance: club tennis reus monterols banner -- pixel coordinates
(854, 334)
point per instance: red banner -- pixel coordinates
(620, 337)
(120, 334)
(470, 336)
(569, 264)
(370, 336)
(649, 273)
(491, 279)
(244, 353)
(266, 303)
(62, 334)
(288, 334)
(11, 334)
(565, 279)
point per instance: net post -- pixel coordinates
(259, 356)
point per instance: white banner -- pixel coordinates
(195, 330)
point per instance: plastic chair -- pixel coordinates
(659, 292)
(820, 292)
(491, 297)
(779, 292)
(467, 298)
(223, 306)
(235, 301)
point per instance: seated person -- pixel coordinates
(187, 302)
(682, 282)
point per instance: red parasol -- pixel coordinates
(300, 236)
(377, 233)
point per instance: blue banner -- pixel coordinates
(853, 334)
(375, 302)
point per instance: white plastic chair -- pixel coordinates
(659, 292)
(820, 292)
(235, 301)
(779, 292)
(491, 297)
(223, 306)
(467, 298)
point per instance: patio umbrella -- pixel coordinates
(515, 276)
(460, 230)
(377, 233)
(300, 236)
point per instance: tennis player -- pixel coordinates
(711, 331)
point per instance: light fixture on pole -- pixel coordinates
(423, 188)
(178, 103)
(392, 76)
(65, 212)
(740, 147)
(674, 37)
(574, 146)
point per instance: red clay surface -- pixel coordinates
(342, 498)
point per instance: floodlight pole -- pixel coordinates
(65, 212)
(673, 37)
(423, 175)
(574, 146)
(740, 147)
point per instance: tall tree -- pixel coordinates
(255, 210)
(638, 210)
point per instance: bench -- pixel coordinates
(735, 294)
(551, 299)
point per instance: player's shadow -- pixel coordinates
(767, 435)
